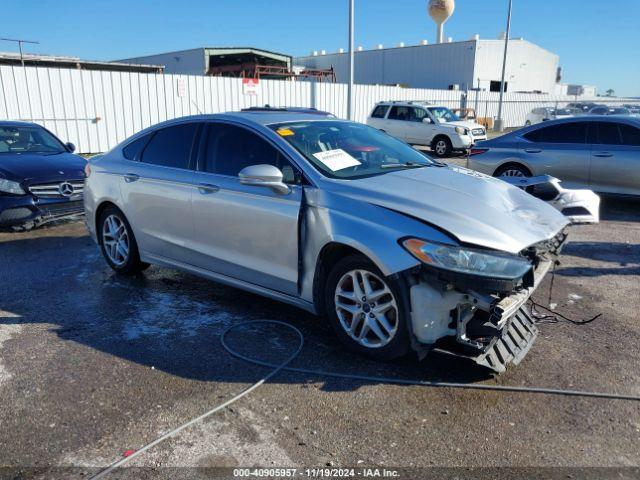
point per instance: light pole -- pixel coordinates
(351, 54)
(499, 127)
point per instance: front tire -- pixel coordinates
(366, 309)
(442, 147)
(118, 244)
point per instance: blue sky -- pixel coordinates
(598, 40)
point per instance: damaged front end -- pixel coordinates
(483, 318)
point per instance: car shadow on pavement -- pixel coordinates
(172, 321)
(626, 256)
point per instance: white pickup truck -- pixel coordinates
(423, 123)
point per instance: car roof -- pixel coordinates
(17, 123)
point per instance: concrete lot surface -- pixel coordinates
(93, 365)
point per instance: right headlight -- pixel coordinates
(8, 186)
(467, 260)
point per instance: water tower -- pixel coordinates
(440, 11)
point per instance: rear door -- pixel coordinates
(378, 117)
(615, 158)
(156, 191)
(560, 150)
(398, 123)
(246, 232)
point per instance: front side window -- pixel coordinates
(229, 149)
(609, 134)
(29, 139)
(418, 114)
(442, 114)
(347, 150)
(630, 135)
(380, 111)
(575, 132)
(171, 146)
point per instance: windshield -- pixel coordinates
(562, 111)
(443, 114)
(348, 150)
(28, 139)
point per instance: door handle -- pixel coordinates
(533, 150)
(603, 154)
(207, 188)
(131, 177)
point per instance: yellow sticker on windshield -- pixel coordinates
(285, 132)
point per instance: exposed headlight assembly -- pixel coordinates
(462, 131)
(7, 186)
(468, 260)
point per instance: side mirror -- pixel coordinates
(264, 176)
(70, 146)
(426, 120)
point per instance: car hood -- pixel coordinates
(465, 123)
(473, 207)
(33, 167)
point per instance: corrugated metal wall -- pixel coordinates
(96, 110)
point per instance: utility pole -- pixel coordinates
(499, 127)
(19, 41)
(351, 61)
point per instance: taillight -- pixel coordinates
(477, 151)
(87, 170)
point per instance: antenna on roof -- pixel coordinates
(196, 105)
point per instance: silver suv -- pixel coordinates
(397, 251)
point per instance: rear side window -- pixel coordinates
(134, 149)
(565, 133)
(630, 135)
(380, 111)
(399, 113)
(609, 134)
(229, 149)
(171, 146)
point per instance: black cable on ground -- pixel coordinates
(321, 373)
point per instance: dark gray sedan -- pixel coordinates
(601, 153)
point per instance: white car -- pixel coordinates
(543, 114)
(422, 123)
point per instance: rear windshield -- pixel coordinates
(348, 150)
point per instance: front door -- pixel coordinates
(245, 232)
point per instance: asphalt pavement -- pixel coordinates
(93, 366)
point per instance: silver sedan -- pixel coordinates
(395, 250)
(601, 153)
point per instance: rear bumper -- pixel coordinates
(20, 210)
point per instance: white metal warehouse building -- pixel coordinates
(455, 65)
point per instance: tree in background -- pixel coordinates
(610, 93)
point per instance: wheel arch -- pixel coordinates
(512, 163)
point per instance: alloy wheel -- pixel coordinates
(366, 308)
(441, 147)
(115, 240)
(513, 172)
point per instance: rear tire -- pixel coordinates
(442, 147)
(118, 244)
(512, 170)
(367, 310)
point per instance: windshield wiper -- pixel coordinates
(404, 165)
